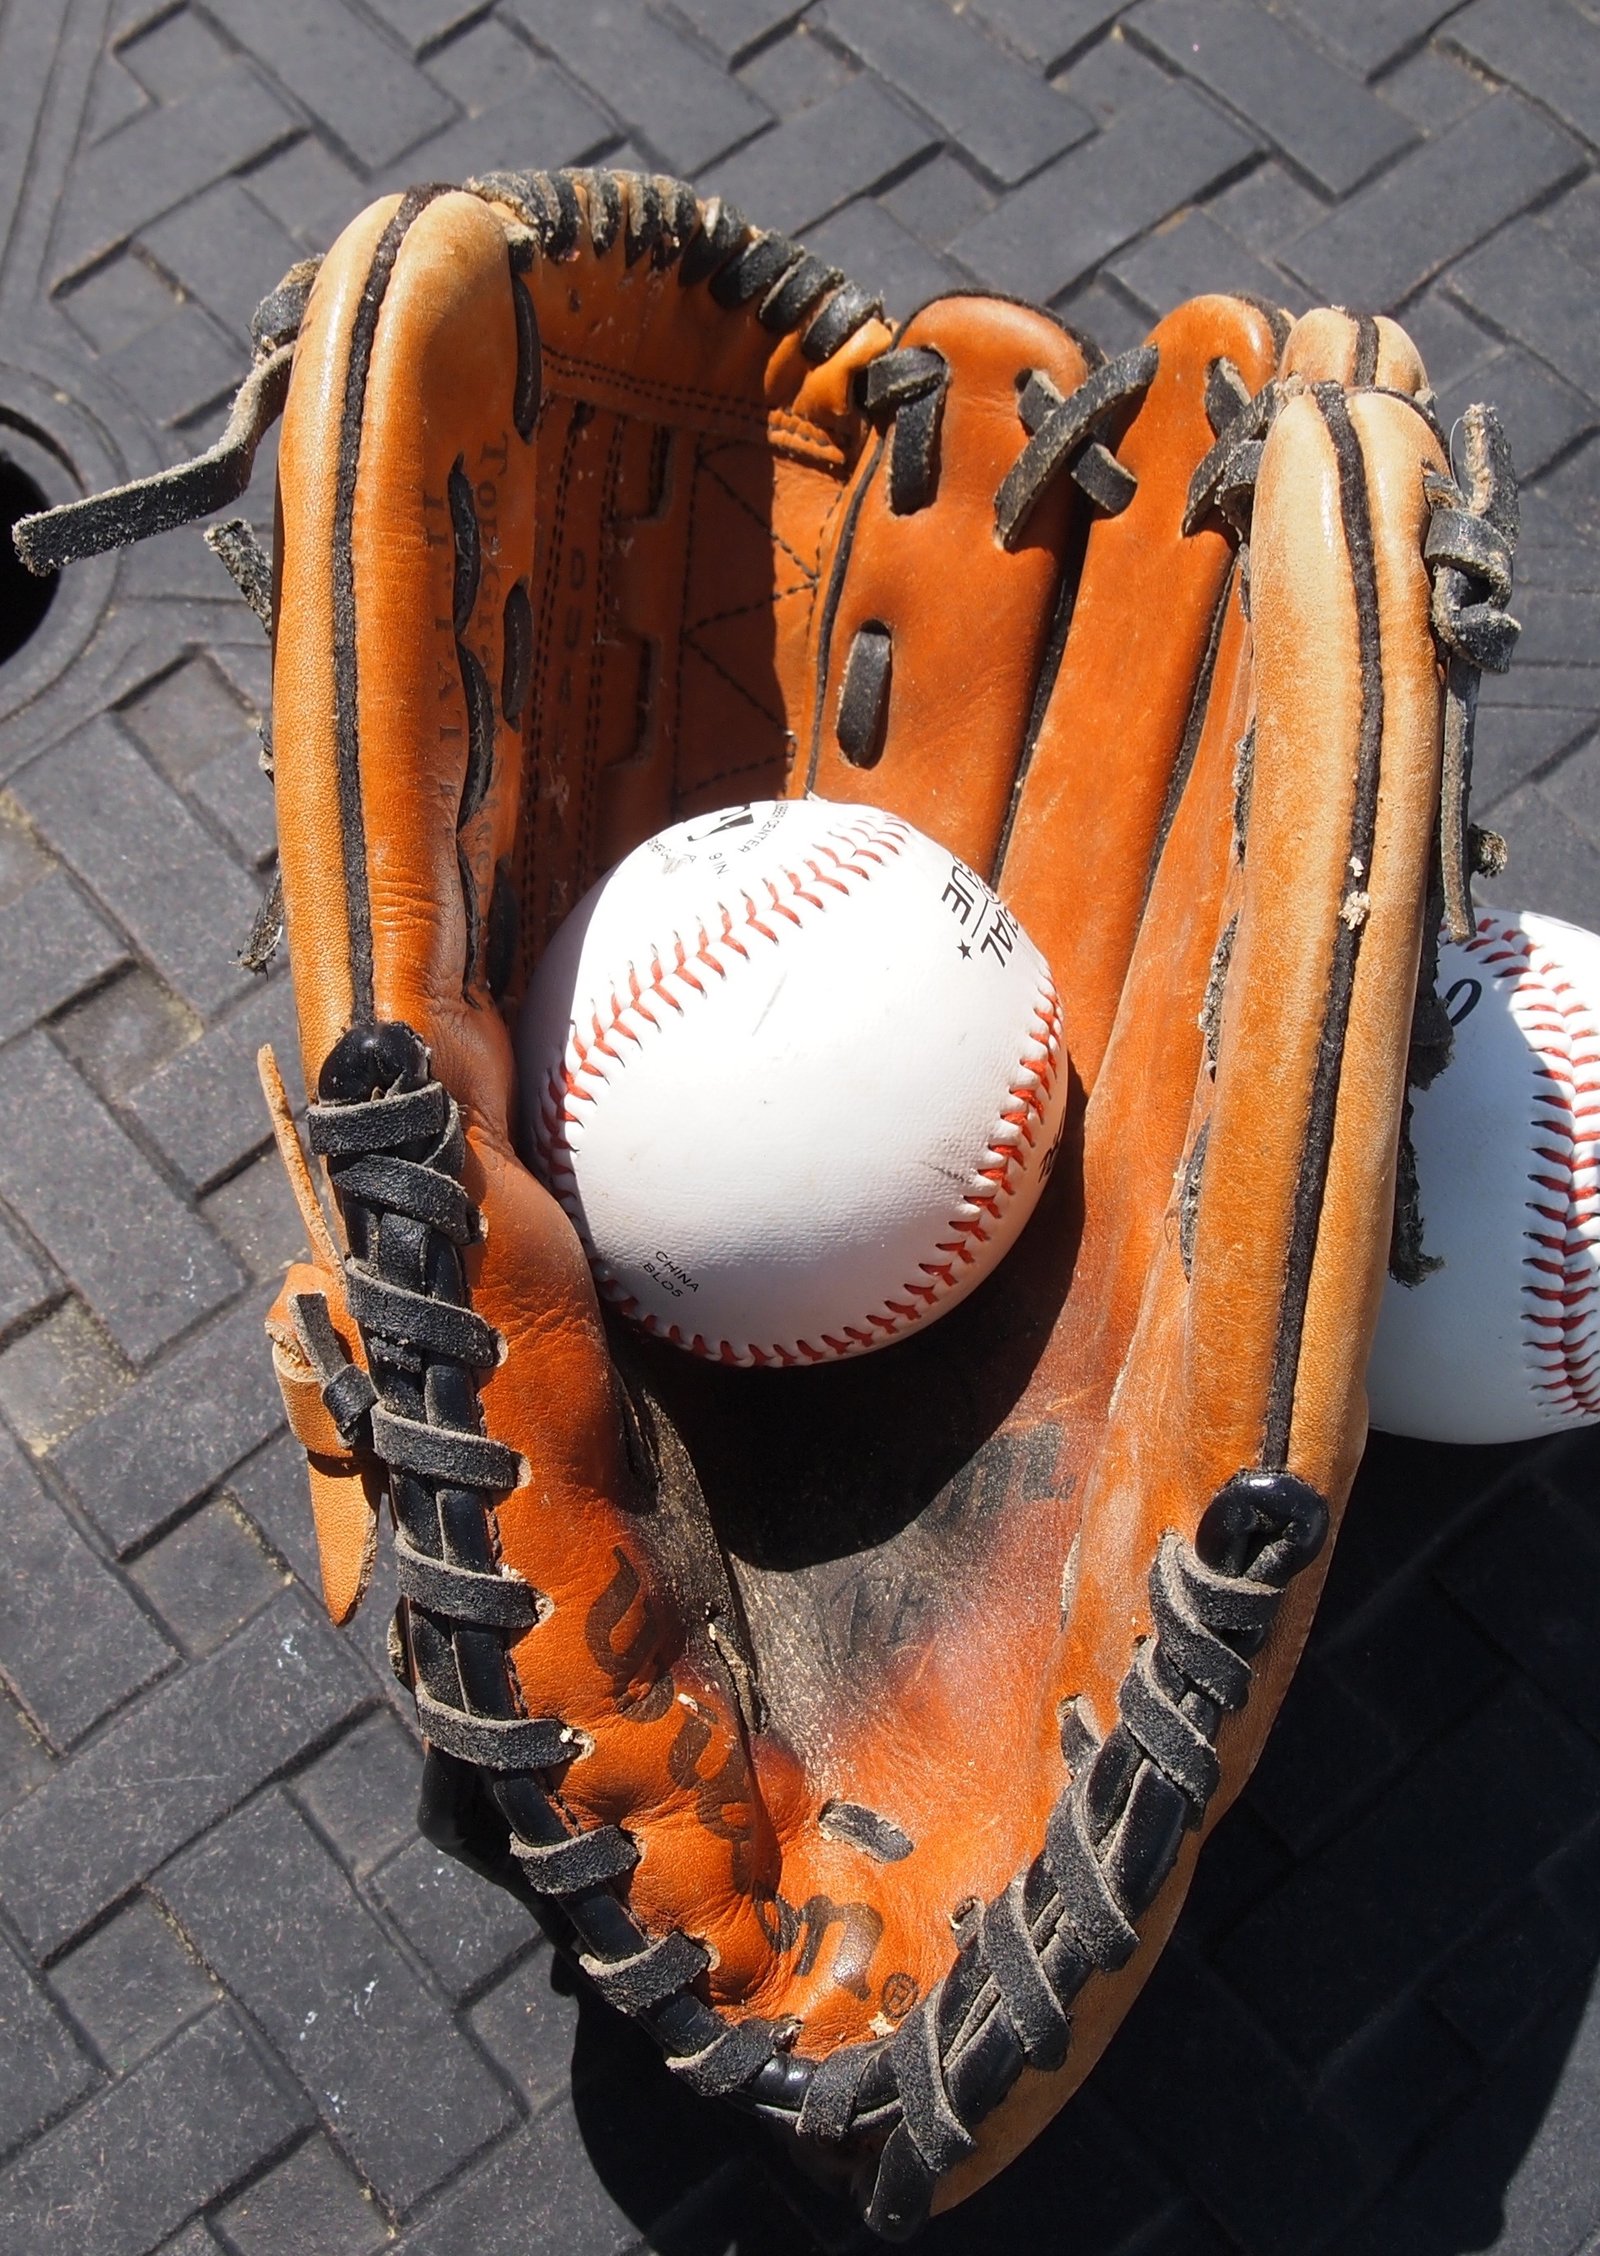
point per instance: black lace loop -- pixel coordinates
(1062, 429)
(908, 384)
(1472, 537)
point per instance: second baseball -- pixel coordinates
(796, 1076)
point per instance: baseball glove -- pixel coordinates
(855, 1727)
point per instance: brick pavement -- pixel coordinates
(244, 2006)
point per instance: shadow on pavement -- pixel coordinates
(1383, 1967)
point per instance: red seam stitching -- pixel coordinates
(1548, 1008)
(1028, 1097)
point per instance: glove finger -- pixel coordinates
(1331, 346)
(1133, 681)
(932, 634)
(1252, 1336)
(1233, 1331)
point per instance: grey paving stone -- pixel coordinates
(132, 1984)
(1530, 288)
(1105, 312)
(870, 245)
(465, 1927)
(791, 73)
(1115, 76)
(175, 55)
(172, 1436)
(485, 65)
(1432, 205)
(240, 802)
(820, 158)
(1188, 2231)
(23, 861)
(225, 249)
(407, 2096)
(1002, 114)
(1266, 207)
(372, 99)
(420, 22)
(161, 157)
(271, 1490)
(1326, 1754)
(526, 2022)
(42, 2068)
(303, 184)
(1408, 1883)
(1418, 1664)
(145, 1264)
(363, 1792)
(1514, 742)
(939, 198)
(1573, 785)
(177, 369)
(1531, 1581)
(255, 1216)
(1498, 2176)
(187, 903)
(1542, 415)
(196, 2239)
(1561, 631)
(52, 946)
(1056, 228)
(74, 1643)
(1509, 1976)
(115, 96)
(1395, 2082)
(547, 112)
(732, 27)
(1176, 2073)
(311, 2204)
(1119, 2192)
(1432, 89)
(637, 65)
(119, 1035)
(1320, 116)
(1553, 866)
(1196, 257)
(1368, 33)
(1247, 1862)
(204, 1108)
(1453, 346)
(24, 1284)
(1574, 220)
(169, 1766)
(1446, 1491)
(120, 2173)
(57, 1375)
(1049, 30)
(1544, 46)
(209, 1577)
(25, 1760)
(543, 2171)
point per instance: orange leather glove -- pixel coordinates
(856, 1728)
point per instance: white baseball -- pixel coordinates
(1503, 1342)
(795, 1074)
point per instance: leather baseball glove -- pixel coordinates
(855, 1727)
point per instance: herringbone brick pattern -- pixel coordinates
(244, 2006)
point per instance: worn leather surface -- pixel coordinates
(922, 1555)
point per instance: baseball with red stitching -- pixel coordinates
(795, 1073)
(1501, 1342)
